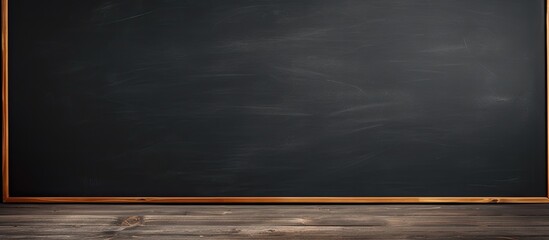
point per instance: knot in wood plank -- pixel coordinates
(131, 221)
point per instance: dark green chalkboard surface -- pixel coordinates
(276, 100)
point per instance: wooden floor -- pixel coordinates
(79, 221)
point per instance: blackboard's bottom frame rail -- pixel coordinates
(223, 200)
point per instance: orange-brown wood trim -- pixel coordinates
(8, 199)
(279, 199)
(5, 149)
(547, 88)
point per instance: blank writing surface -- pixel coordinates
(277, 98)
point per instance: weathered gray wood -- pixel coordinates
(88, 221)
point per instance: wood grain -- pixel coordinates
(88, 221)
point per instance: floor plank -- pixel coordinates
(353, 221)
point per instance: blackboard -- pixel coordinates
(275, 101)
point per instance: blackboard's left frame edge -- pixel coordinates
(277, 200)
(8, 199)
(5, 149)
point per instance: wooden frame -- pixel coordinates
(8, 199)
